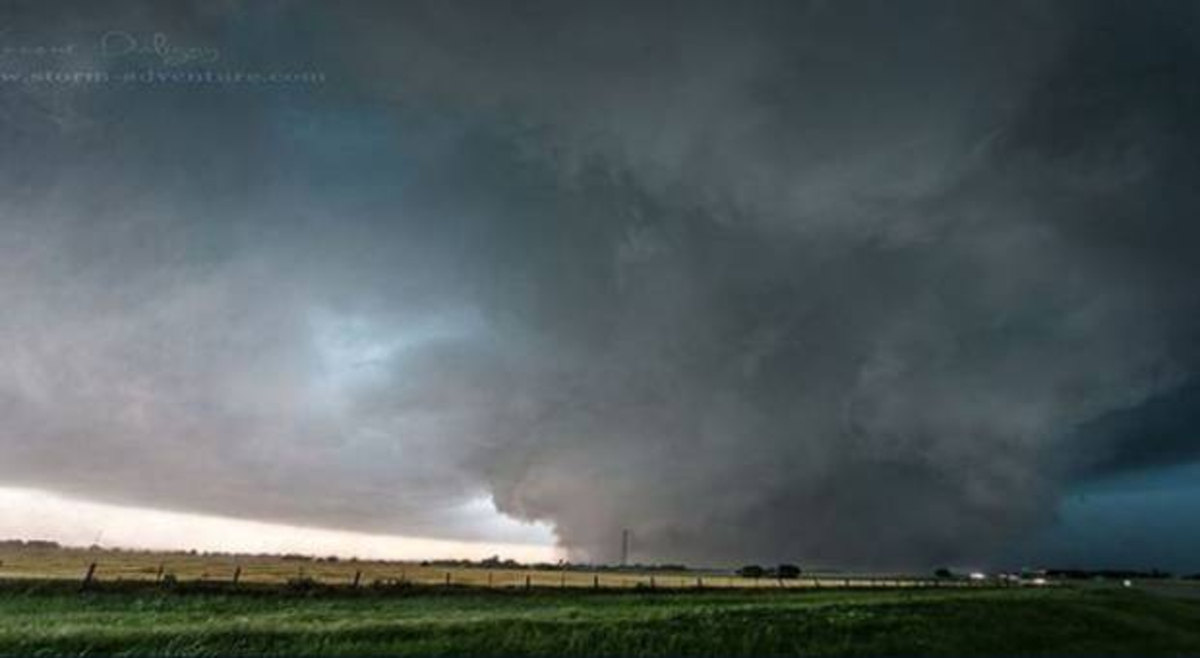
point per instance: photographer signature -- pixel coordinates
(125, 44)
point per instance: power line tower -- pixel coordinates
(625, 547)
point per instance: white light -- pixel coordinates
(34, 514)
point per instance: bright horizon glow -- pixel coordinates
(36, 514)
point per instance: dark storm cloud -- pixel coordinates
(838, 282)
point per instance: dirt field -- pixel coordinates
(113, 565)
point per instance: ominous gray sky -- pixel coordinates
(856, 283)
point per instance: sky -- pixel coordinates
(33, 514)
(850, 284)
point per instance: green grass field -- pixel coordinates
(309, 607)
(56, 618)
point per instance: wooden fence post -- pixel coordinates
(489, 580)
(91, 572)
(237, 575)
(159, 574)
(595, 581)
(357, 578)
(447, 579)
(699, 582)
(528, 582)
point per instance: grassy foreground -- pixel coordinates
(56, 619)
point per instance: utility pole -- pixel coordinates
(625, 547)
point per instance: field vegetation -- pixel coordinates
(52, 562)
(56, 618)
(300, 606)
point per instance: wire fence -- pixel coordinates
(352, 574)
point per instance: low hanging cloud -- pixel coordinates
(847, 283)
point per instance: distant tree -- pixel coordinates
(787, 571)
(943, 573)
(751, 571)
(668, 567)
